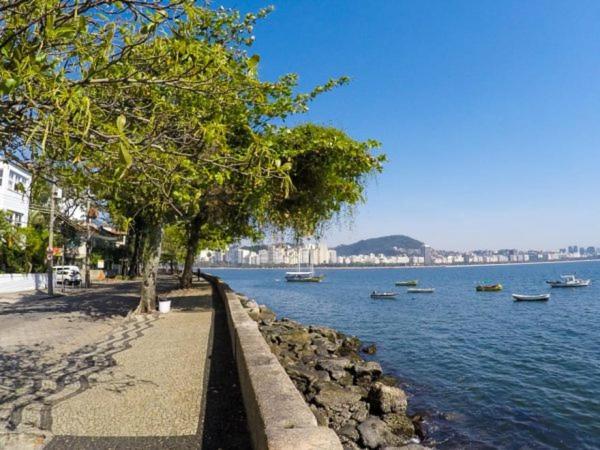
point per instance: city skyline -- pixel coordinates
(488, 112)
(319, 254)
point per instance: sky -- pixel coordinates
(488, 111)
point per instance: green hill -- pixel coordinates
(385, 244)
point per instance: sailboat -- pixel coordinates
(308, 276)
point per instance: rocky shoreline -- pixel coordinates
(352, 396)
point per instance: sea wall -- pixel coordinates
(278, 417)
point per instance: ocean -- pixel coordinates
(488, 372)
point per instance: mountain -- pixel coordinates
(388, 245)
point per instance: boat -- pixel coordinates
(489, 287)
(569, 281)
(531, 298)
(306, 277)
(376, 294)
(407, 283)
(421, 290)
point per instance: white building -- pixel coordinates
(14, 192)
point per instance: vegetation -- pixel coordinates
(157, 109)
(386, 245)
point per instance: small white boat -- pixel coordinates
(569, 281)
(531, 298)
(420, 290)
(376, 294)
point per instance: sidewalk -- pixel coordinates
(75, 373)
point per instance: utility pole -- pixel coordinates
(88, 241)
(50, 250)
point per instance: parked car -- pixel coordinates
(70, 275)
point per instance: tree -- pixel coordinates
(328, 171)
(157, 108)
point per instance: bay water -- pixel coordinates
(488, 372)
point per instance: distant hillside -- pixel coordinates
(385, 244)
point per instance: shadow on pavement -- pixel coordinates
(222, 423)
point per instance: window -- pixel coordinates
(15, 218)
(15, 180)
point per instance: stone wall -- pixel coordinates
(278, 416)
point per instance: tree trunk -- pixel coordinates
(150, 261)
(193, 240)
(134, 266)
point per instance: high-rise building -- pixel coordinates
(427, 254)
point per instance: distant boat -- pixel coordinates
(407, 283)
(531, 298)
(308, 276)
(376, 294)
(489, 287)
(569, 281)
(421, 290)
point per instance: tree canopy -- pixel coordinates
(157, 108)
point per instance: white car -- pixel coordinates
(70, 275)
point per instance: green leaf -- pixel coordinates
(125, 155)
(8, 85)
(121, 123)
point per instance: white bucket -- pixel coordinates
(164, 306)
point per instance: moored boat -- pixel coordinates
(421, 290)
(569, 281)
(306, 277)
(407, 283)
(489, 287)
(376, 294)
(531, 298)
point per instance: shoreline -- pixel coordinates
(440, 266)
(347, 393)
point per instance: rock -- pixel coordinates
(388, 380)
(254, 314)
(302, 376)
(348, 444)
(370, 349)
(371, 368)
(375, 433)
(349, 430)
(320, 415)
(400, 424)
(320, 341)
(361, 412)
(419, 425)
(266, 316)
(335, 366)
(251, 304)
(346, 380)
(298, 338)
(328, 333)
(350, 344)
(364, 393)
(407, 447)
(323, 375)
(336, 398)
(387, 399)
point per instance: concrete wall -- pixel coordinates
(17, 282)
(278, 416)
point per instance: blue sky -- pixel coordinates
(489, 112)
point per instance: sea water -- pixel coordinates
(488, 372)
